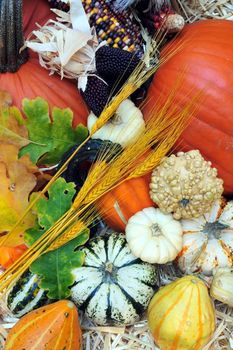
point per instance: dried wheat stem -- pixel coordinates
(67, 236)
(90, 182)
(109, 111)
(22, 264)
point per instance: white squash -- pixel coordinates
(222, 286)
(124, 128)
(113, 286)
(153, 236)
(208, 240)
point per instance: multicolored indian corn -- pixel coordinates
(118, 29)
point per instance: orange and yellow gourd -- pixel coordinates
(52, 327)
(181, 315)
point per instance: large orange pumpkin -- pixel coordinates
(52, 327)
(118, 205)
(203, 63)
(24, 77)
(35, 12)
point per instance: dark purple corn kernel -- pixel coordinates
(96, 94)
(116, 63)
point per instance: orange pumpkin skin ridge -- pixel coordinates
(53, 327)
(203, 64)
(181, 315)
(131, 196)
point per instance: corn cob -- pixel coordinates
(59, 4)
(96, 94)
(119, 30)
(114, 66)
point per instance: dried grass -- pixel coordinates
(193, 10)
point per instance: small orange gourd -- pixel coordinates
(52, 327)
(118, 205)
(8, 255)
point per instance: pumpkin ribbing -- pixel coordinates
(11, 36)
(119, 204)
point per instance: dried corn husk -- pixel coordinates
(68, 45)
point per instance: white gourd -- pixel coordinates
(153, 236)
(222, 286)
(124, 128)
(208, 240)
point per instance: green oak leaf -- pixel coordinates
(55, 268)
(50, 209)
(50, 137)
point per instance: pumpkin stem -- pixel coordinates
(11, 36)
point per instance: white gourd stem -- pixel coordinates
(155, 229)
(213, 229)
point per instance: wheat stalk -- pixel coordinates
(164, 131)
(78, 222)
(140, 75)
(116, 172)
(67, 236)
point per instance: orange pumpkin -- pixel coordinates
(203, 63)
(52, 327)
(24, 77)
(118, 205)
(35, 12)
(8, 255)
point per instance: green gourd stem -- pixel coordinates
(11, 36)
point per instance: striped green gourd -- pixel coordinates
(113, 286)
(26, 295)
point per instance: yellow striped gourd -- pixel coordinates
(181, 315)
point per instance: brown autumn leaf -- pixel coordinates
(5, 99)
(17, 182)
